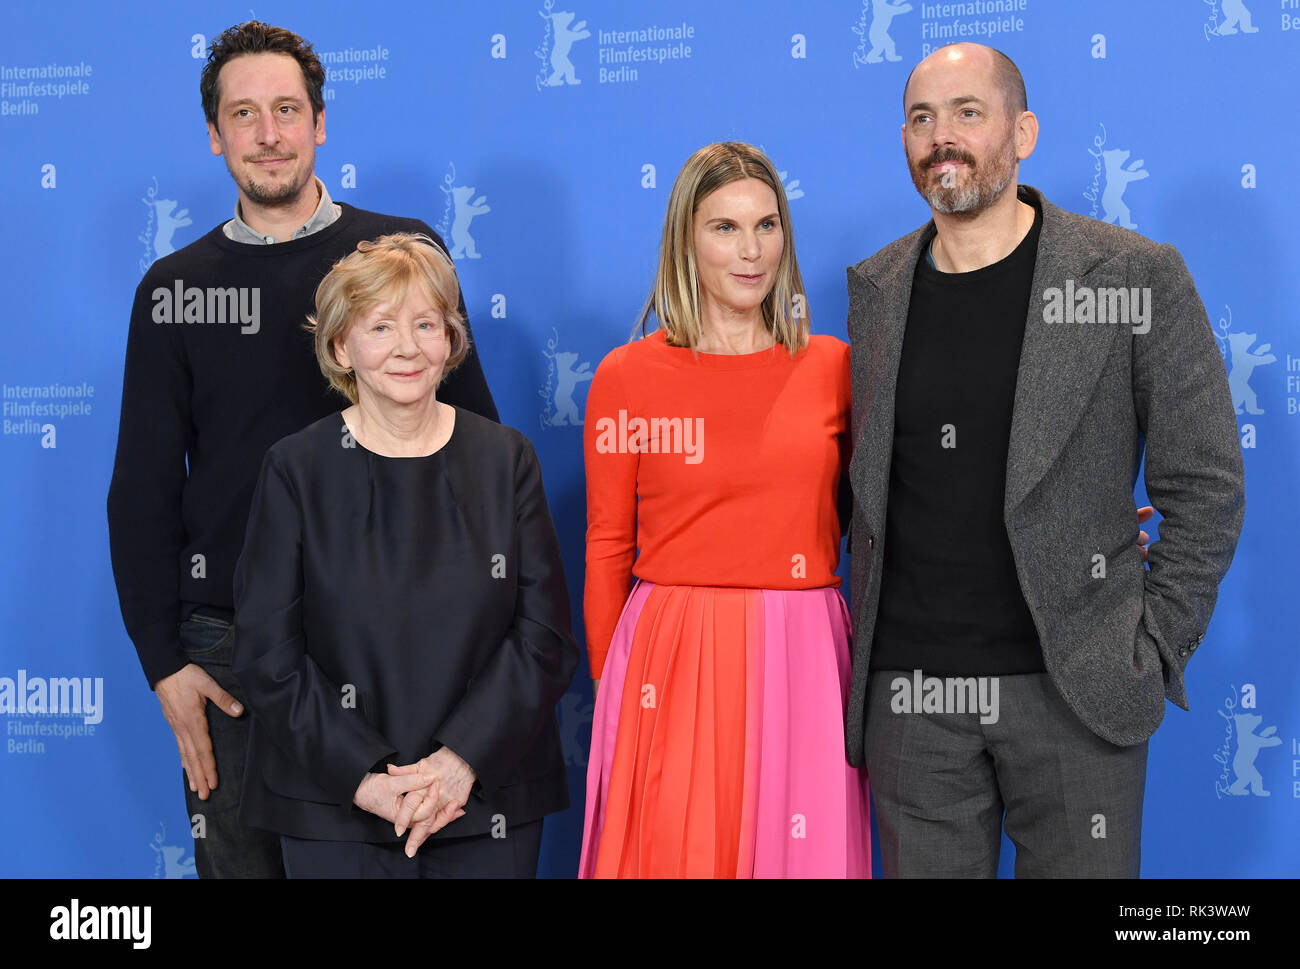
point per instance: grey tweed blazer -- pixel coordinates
(1090, 398)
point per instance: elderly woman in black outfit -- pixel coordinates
(402, 621)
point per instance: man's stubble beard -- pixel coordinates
(984, 186)
(273, 197)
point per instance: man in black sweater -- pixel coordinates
(218, 368)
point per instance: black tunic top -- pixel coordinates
(389, 606)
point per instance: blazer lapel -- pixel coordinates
(880, 292)
(1059, 361)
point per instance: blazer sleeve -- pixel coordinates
(844, 494)
(512, 697)
(1194, 473)
(301, 710)
(611, 513)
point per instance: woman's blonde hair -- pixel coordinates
(383, 271)
(675, 297)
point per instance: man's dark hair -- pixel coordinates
(1010, 82)
(256, 37)
(1006, 76)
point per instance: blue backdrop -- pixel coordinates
(542, 139)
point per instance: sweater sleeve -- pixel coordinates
(145, 530)
(466, 386)
(611, 510)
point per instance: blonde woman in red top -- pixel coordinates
(716, 631)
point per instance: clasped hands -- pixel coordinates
(425, 796)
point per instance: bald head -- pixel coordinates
(976, 57)
(966, 128)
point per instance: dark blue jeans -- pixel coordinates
(227, 849)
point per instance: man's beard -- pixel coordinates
(983, 186)
(269, 194)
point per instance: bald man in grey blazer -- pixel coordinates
(1012, 364)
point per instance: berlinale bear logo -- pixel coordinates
(562, 33)
(1249, 744)
(1242, 356)
(459, 209)
(563, 376)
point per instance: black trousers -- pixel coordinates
(479, 856)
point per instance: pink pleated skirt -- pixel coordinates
(717, 745)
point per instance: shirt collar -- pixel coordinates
(327, 212)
